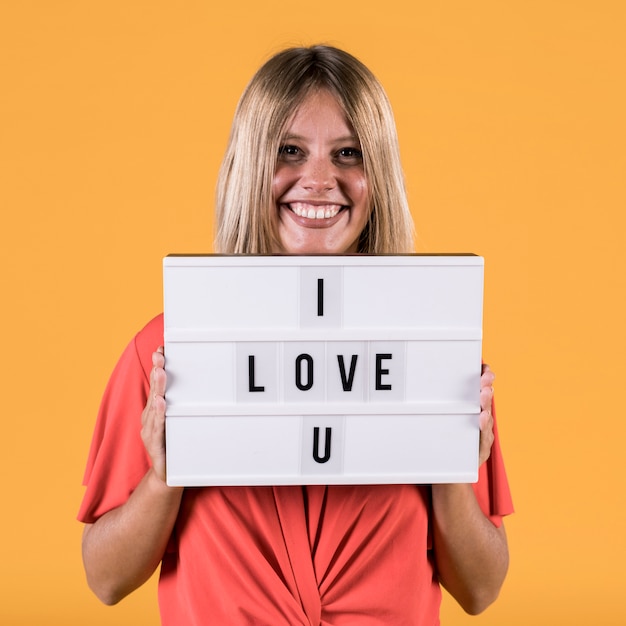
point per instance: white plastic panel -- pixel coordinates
(431, 296)
(287, 449)
(322, 369)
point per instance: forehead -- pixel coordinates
(319, 113)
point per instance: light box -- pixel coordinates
(287, 370)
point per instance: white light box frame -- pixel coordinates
(347, 369)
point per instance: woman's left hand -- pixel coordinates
(486, 418)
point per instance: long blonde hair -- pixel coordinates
(244, 202)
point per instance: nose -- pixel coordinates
(318, 174)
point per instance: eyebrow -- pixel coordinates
(347, 138)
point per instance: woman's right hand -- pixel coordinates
(124, 546)
(153, 416)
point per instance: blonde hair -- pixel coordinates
(244, 203)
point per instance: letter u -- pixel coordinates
(316, 445)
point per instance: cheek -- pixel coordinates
(281, 183)
(364, 188)
(360, 190)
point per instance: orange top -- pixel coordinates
(321, 555)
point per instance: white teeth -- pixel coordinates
(303, 209)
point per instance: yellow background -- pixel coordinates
(113, 119)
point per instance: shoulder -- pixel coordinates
(152, 331)
(147, 340)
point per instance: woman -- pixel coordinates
(312, 166)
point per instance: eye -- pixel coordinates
(289, 152)
(350, 155)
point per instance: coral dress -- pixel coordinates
(312, 555)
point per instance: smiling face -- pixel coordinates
(319, 188)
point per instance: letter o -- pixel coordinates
(304, 386)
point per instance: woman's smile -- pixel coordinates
(314, 212)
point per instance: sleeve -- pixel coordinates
(492, 488)
(117, 458)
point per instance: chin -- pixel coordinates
(315, 241)
(319, 249)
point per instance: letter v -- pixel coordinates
(347, 382)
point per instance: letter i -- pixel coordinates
(320, 297)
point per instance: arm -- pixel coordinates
(123, 548)
(471, 553)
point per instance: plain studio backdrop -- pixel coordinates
(113, 120)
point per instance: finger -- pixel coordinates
(157, 375)
(485, 420)
(487, 377)
(158, 357)
(156, 397)
(159, 379)
(153, 418)
(486, 436)
(486, 399)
